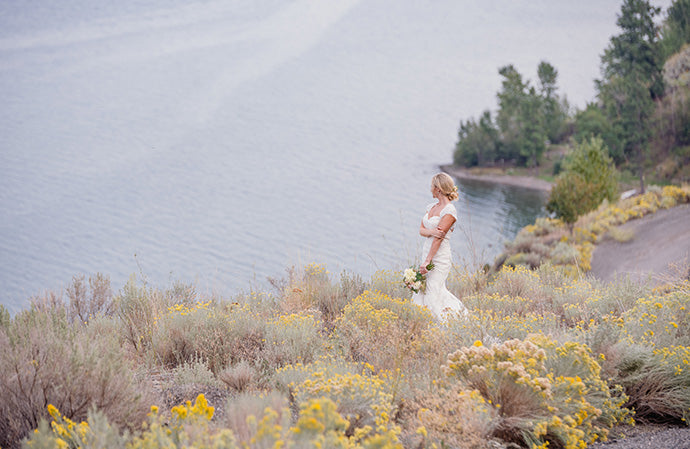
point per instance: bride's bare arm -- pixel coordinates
(444, 225)
(438, 233)
(424, 232)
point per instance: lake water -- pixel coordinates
(219, 142)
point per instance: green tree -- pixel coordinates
(520, 118)
(632, 80)
(590, 159)
(531, 141)
(589, 177)
(675, 31)
(478, 142)
(526, 118)
(592, 122)
(570, 197)
(510, 100)
(554, 111)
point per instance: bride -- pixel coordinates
(436, 226)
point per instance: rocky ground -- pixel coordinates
(647, 437)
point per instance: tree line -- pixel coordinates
(639, 117)
(528, 118)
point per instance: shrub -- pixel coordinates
(47, 360)
(590, 159)
(542, 392)
(491, 325)
(362, 397)
(331, 301)
(294, 338)
(564, 254)
(389, 282)
(528, 259)
(189, 426)
(450, 416)
(549, 241)
(212, 333)
(4, 317)
(94, 433)
(571, 197)
(194, 372)
(660, 320)
(84, 303)
(317, 425)
(676, 194)
(372, 318)
(245, 410)
(137, 307)
(621, 235)
(312, 289)
(262, 304)
(517, 281)
(543, 226)
(523, 242)
(657, 382)
(463, 283)
(239, 377)
(289, 376)
(304, 288)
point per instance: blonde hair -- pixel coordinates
(446, 185)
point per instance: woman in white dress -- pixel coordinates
(437, 225)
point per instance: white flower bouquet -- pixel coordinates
(414, 279)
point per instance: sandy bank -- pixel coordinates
(527, 182)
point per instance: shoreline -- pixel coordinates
(527, 182)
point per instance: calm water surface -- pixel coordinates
(218, 142)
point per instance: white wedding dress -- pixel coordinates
(436, 297)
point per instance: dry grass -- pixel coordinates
(657, 383)
(239, 377)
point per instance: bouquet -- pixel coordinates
(414, 280)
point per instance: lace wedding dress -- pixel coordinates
(436, 297)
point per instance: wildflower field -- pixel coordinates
(548, 357)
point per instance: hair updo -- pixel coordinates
(446, 185)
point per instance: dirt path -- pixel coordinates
(658, 251)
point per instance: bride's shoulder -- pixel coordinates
(429, 206)
(450, 209)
